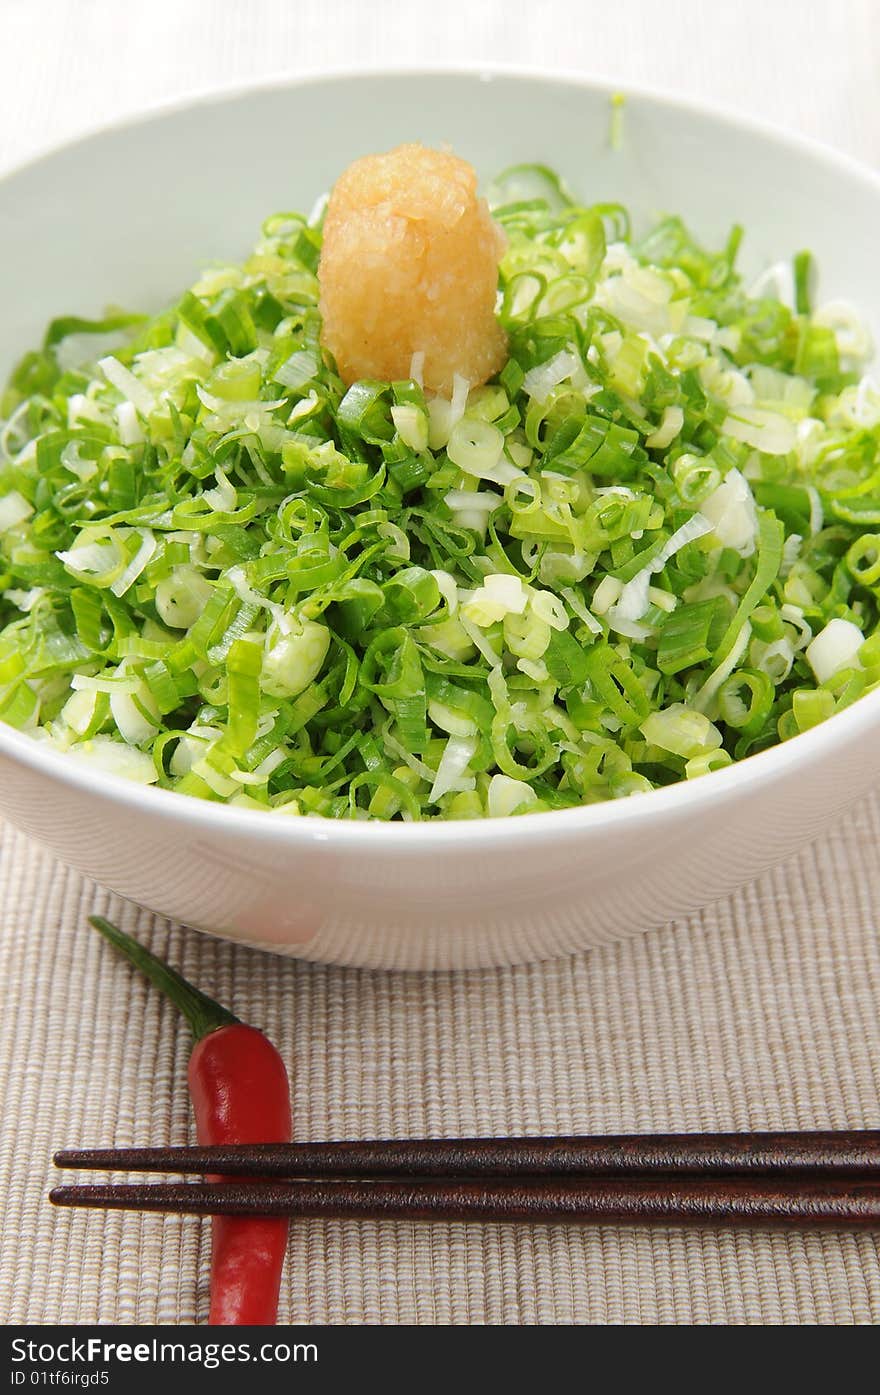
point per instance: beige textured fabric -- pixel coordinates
(760, 1013)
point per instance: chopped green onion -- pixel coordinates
(644, 550)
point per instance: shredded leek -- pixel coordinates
(648, 548)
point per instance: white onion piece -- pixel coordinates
(835, 647)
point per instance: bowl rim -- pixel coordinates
(676, 800)
(205, 95)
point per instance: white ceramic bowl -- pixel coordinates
(128, 216)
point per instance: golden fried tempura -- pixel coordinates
(410, 266)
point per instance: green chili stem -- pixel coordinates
(200, 1011)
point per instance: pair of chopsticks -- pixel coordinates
(829, 1179)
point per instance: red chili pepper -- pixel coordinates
(241, 1094)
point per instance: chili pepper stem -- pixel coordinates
(200, 1011)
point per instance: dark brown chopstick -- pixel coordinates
(752, 1202)
(852, 1153)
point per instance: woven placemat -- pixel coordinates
(760, 1013)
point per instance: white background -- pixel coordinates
(68, 65)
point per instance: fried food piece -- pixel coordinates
(410, 266)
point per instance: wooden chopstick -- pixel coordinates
(834, 1204)
(852, 1153)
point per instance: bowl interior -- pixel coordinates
(129, 215)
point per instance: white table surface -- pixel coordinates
(68, 65)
